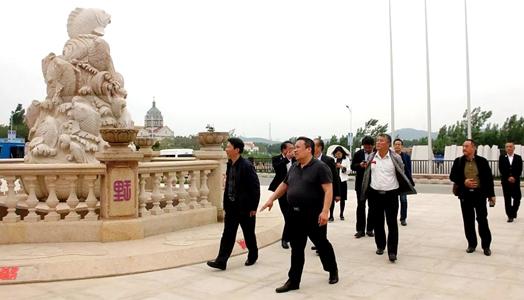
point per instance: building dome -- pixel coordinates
(154, 117)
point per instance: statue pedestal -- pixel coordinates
(119, 185)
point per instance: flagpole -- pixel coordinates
(430, 142)
(468, 93)
(391, 79)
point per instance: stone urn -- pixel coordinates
(146, 147)
(118, 137)
(212, 140)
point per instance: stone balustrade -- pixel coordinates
(39, 192)
(63, 202)
(170, 186)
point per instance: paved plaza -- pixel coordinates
(432, 263)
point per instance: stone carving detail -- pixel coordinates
(84, 93)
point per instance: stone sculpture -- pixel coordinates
(84, 93)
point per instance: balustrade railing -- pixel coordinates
(39, 192)
(170, 186)
(68, 192)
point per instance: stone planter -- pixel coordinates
(212, 140)
(118, 137)
(146, 144)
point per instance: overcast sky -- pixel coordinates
(294, 64)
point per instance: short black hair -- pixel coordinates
(397, 139)
(386, 136)
(367, 140)
(472, 142)
(320, 143)
(309, 143)
(237, 144)
(284, 145)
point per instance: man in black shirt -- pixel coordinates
(309, 191)
(241, 197)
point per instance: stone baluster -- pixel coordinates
(11, 201)
(156, 195)
(52, 199)
(143, 196)
(169, 194)
(204, 189)
(91, 200)
(31, 201)
(181, 192)
(72, 200)
(193, 190)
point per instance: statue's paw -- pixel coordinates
(105, 111)
(43, 150)
(106, 122)
(64, 107)
(85, 90)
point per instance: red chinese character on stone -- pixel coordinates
(8, 273)
(122, 190)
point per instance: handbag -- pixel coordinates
(455, 189)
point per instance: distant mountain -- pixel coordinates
(412, 134)
(258, 140)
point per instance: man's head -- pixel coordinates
(319, 147)
(234, 147)
(397, 145)
(368, 143)
(383, 142)
(285, 147)
(304, 148)
(469, 147)
(510, 148)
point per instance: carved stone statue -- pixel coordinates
(84, 93)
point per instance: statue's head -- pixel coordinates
(87, 21)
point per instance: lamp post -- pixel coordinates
(350, 134)
(428, 95)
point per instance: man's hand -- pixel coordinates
(511, 179)
(337, 198)
(364, 164)
(471, 184)
(492, 201)
(268, 204)
(252, 213)
(323, 218)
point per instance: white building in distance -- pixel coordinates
(154, 125)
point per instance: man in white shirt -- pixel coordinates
(383, 181)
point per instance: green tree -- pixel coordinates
(372, 128)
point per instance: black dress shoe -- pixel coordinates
(216, 265)
(288, 286)
(392, 257)
(333, 277)
(250, 262)
(470, 250)
(487, 252)
(342, 218)
(285, 244)
(370, 233)
(403, 222)
(331, 219)
(359, 234)
(379, 251)
(510, 220)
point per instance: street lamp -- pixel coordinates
(350, 134)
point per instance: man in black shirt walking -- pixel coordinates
(309, 191)
(241, 197)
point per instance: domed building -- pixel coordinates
(154, 125)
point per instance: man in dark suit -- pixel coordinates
(398, 144)
(472, 175)
(510, 167)
(359, 164)
(330, 162)
(241, 197)
(281, 164)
